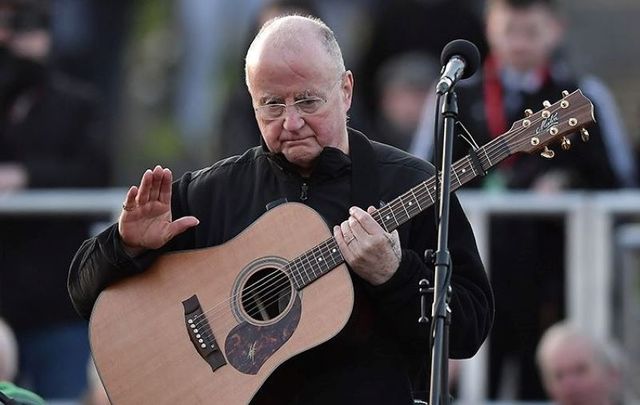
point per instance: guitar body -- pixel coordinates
(147, 351)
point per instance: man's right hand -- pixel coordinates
(145, 222)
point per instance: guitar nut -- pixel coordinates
(564, 104)
(553, 131)
(573, 122)
(526, 123)
(546, 114)
(535, 141)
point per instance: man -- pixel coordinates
(520, 72)
(301, 93)
(577, 369)
(48, 139)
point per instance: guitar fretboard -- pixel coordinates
(326, 256)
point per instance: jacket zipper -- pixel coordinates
(303, 191)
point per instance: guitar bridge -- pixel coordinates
(201, 334)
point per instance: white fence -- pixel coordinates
(589, 245)
(589, 238)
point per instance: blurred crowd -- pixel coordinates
(93, 92)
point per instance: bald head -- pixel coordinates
(576, 368)
(293, 35)
(8, 353)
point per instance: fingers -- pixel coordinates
(355, 233)
(152, 185)
(364, 221)
(343, 242)
(360, 225)
(129, 203)
(165, 186)
(145, 187)
(182, 224)
(154, 192)
(346, 232)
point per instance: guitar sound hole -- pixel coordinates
(266, 294)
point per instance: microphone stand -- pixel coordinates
(440, 312)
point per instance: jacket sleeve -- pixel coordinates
(471, 303)
(101, 260)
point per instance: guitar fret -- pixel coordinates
(471, 166)
(381, 220)
(307, 265)
(294, 269)
(388, 217)
(404, 207)
(316, 258)
(321, 260)
(458, 178)
(314, 263)
(394, 210)
(485, 153)
(416, 198)
(426, 186)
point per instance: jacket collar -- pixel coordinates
(361, 163)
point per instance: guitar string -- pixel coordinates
(264, 284)
(280, 282)
(276, 281)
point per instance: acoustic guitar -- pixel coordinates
(210, 325)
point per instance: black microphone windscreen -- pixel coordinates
(464, 49)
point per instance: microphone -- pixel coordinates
(461, 59)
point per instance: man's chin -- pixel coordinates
(300, 157)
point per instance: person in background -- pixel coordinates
(523, 68)
(10, 394)
(8, 353)
(408, 26)
(95, 394)
(301, 93)
(578, 369)
(50, 137)
(403, 83)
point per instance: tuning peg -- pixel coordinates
(566, 143)
(565, 93)
(547, 153)
(546, 104)
(584, 134)
(528, 112)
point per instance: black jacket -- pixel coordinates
(382, 347)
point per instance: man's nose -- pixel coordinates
(293, 121)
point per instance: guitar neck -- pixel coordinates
(423, 196)
(326, 256)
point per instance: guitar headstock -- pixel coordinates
(553, 123)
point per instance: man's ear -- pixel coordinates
(347, 89)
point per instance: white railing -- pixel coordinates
(589, 245)
(589, 237)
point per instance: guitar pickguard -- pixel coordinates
(249, 346)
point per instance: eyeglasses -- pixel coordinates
(305, 106)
